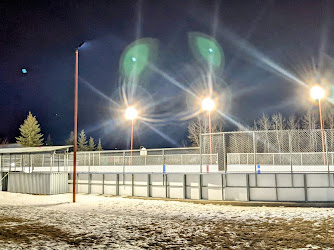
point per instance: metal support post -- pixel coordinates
(184, 186)
(223, 189)
(132, 185)
(103, 178)
(200, 186)
(117, 184)
(50, 162)
(123, 162)
(200, 152)
(276, 187)
(248, 189)
(290, 150)
(166, 184)
(305, 187)
(88, 162)
(326, 145)
(148, 185)
(254, 147)
(225, 154)
(10, 162)
(89, 183)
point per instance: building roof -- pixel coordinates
(28, 150)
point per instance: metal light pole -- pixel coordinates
(76, 76)
(131, 114)
(208, 105)
(317, 93)
(75, 120)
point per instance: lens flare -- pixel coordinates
(131, 113)
(208, 104)
(317, 92)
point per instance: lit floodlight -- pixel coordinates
(131, 113)
(208, 104)
(317, 92)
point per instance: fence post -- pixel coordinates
(148, 185)
(10, 162)
(88, 162)
(200, 186)
(305, 187)
(326, 145)
(200, 152)
(290, 150)
(224, 155)
(123, 161)
(248, 189)
(163, 161)
(103, 177)
(254, 145)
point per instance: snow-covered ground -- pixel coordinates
(34, 221)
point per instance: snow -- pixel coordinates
(119, 222)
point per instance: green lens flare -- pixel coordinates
(135, 60)
(206, 49)
(136, 57)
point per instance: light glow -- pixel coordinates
(131, 113)
(317, 92)
(208, 104)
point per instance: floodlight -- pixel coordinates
(208, 104)
(317, 92)
(131, 113)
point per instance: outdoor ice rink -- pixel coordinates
(95, 221)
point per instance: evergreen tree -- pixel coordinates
(99, 146)
(30, 133)
(91, 144)
(48, 141)
(82, 141)
(70, 140)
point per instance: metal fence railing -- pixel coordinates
(302, 148)
(64, 161)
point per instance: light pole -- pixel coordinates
(317, 93)
(131, 114)
(76, 76)
(208, 105)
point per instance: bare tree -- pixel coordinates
(293, 125)
(4, 141)
(310, 122)
(263, 124)
(278, 124)
(195, 128)
(198, 127)
(184, 143)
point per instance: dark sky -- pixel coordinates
(267, 46)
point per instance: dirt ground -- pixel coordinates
(48, 227)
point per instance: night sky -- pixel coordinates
(268, 47)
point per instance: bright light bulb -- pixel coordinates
(210, 50)
(317, 92)
(208, 104)
(12, 164)
(134, 59)
(131, 113)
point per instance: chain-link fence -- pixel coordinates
(87, 159)
(273, 150)
(173, 156)
(34, 161)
